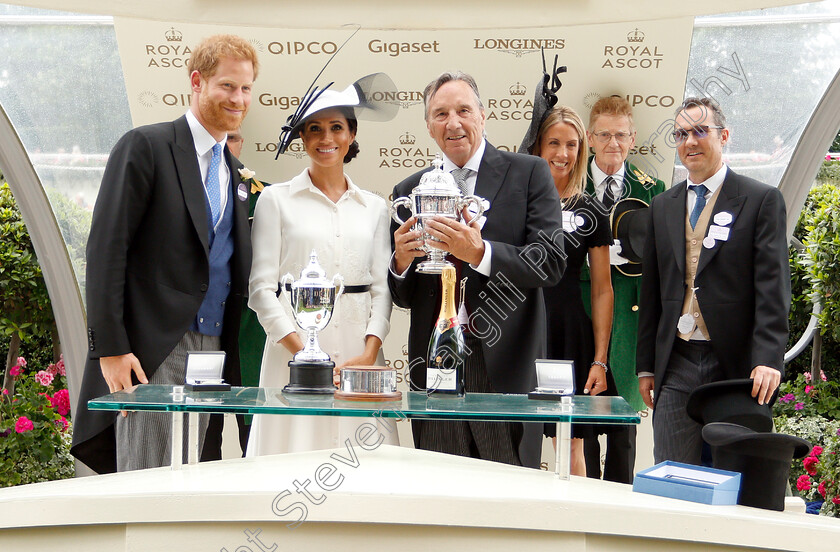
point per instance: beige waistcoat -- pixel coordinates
(693, 247)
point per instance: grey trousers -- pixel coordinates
(676, 436)
(144, 438)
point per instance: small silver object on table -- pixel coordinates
(368, 383)
(437, 194)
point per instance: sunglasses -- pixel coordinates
(680, 135)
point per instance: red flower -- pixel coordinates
(808, 388)
(60, 402)
(821, 488)
(15, 370)
(24, 424)
(810, 464)
(816, 451)
(803, 483)
(836, 500)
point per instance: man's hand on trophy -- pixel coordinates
(407, 245)
(459, 239)
(615, 257)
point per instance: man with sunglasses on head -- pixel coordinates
(715, 285)
(611, 178)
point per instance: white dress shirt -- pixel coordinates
(599, 177)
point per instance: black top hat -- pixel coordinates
(545, 97)
(629, 222)
(730, 401)
(762, 459)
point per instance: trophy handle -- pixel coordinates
(340, 291)
(287, 279)
(399, 202)
(465, 201)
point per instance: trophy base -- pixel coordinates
(310, 378)
(432, 267)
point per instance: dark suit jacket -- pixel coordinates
(744, 282)
(147, 267)
(524, 228)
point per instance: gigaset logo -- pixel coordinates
(283, 102)
(395, 49)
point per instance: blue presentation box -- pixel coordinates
(688, 482)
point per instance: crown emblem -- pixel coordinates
(172, 35)
(518, 90)
(635, 36)
(407, 139)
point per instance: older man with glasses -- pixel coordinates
(716, 284)
(610, 178)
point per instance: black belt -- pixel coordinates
(347, 289)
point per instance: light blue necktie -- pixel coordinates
(214, 194)
(700, 191)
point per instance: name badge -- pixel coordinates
(242, 191)
(720, 233)
(571, 221)
(723, 218)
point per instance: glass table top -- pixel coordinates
(414, 404)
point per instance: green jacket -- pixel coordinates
(626, 291)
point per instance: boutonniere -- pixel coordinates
(247, 175)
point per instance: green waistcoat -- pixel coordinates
(626, 291)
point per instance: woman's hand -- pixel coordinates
(597, 381)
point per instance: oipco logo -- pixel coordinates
(147, 98)
(170, 52)
(517, 106)
(632, 54)
(518, 46)
(294, 48)
(404, 153)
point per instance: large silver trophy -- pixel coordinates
(313, 298)
(437, 194)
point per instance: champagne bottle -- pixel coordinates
(445, 364)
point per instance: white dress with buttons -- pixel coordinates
(351, 238)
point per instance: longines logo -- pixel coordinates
(147, 98)
(633, 55)
(394, 49)
(295, 149)
(515, 108)
(402, 98)
(283, 102)
(405, 155)
(519, 46)
(294, 48)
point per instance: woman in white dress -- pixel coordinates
(320, 209)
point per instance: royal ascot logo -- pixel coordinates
(147, 98)
(406, 154)
(171, 53)
(516, 107)
(635, 36)
(283, 102)
(173, 35)
(519, 46)
(632, 55)
(590, 99)
(295, 149)
(402, 98)
(295, 48)
(258, 45)
(396, 49)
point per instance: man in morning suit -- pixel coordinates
(610, 178)
(506, 258)
(167, 259)
(715, 284)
